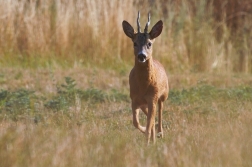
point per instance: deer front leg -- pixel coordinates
(150, 128)
(136, 123)
(145, 110)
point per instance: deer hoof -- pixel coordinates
(160, 135)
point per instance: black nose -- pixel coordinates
(141, 57)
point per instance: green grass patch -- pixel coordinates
(19, 102)
(208, 94)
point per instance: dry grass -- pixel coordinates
(206, 36)
(46, 80)
(191, 139)
(201, 129)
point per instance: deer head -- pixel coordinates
(142, 41)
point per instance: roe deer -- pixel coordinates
(148, 80)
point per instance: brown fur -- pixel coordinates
(148, 81)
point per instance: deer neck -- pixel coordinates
(145, 71)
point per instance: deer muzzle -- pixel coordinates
(141, 57)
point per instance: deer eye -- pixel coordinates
(149, 45)
(135, 44)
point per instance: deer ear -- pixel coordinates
(156, 29)
(128, 29)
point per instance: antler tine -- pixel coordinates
(147, 24)
(138, 23)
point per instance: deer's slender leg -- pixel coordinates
(160, 110)
(145, 110)
(136, 123)
(153, 133)
(150, 121)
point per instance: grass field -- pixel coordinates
(64, 93)
(86, 120)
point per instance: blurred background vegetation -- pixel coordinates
(198, 36)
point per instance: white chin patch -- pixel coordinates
(142, 60)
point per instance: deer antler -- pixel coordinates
(147, 24)
(138, 23)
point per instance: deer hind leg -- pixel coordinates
(153, 133)
(160, 127)
(136, 123)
